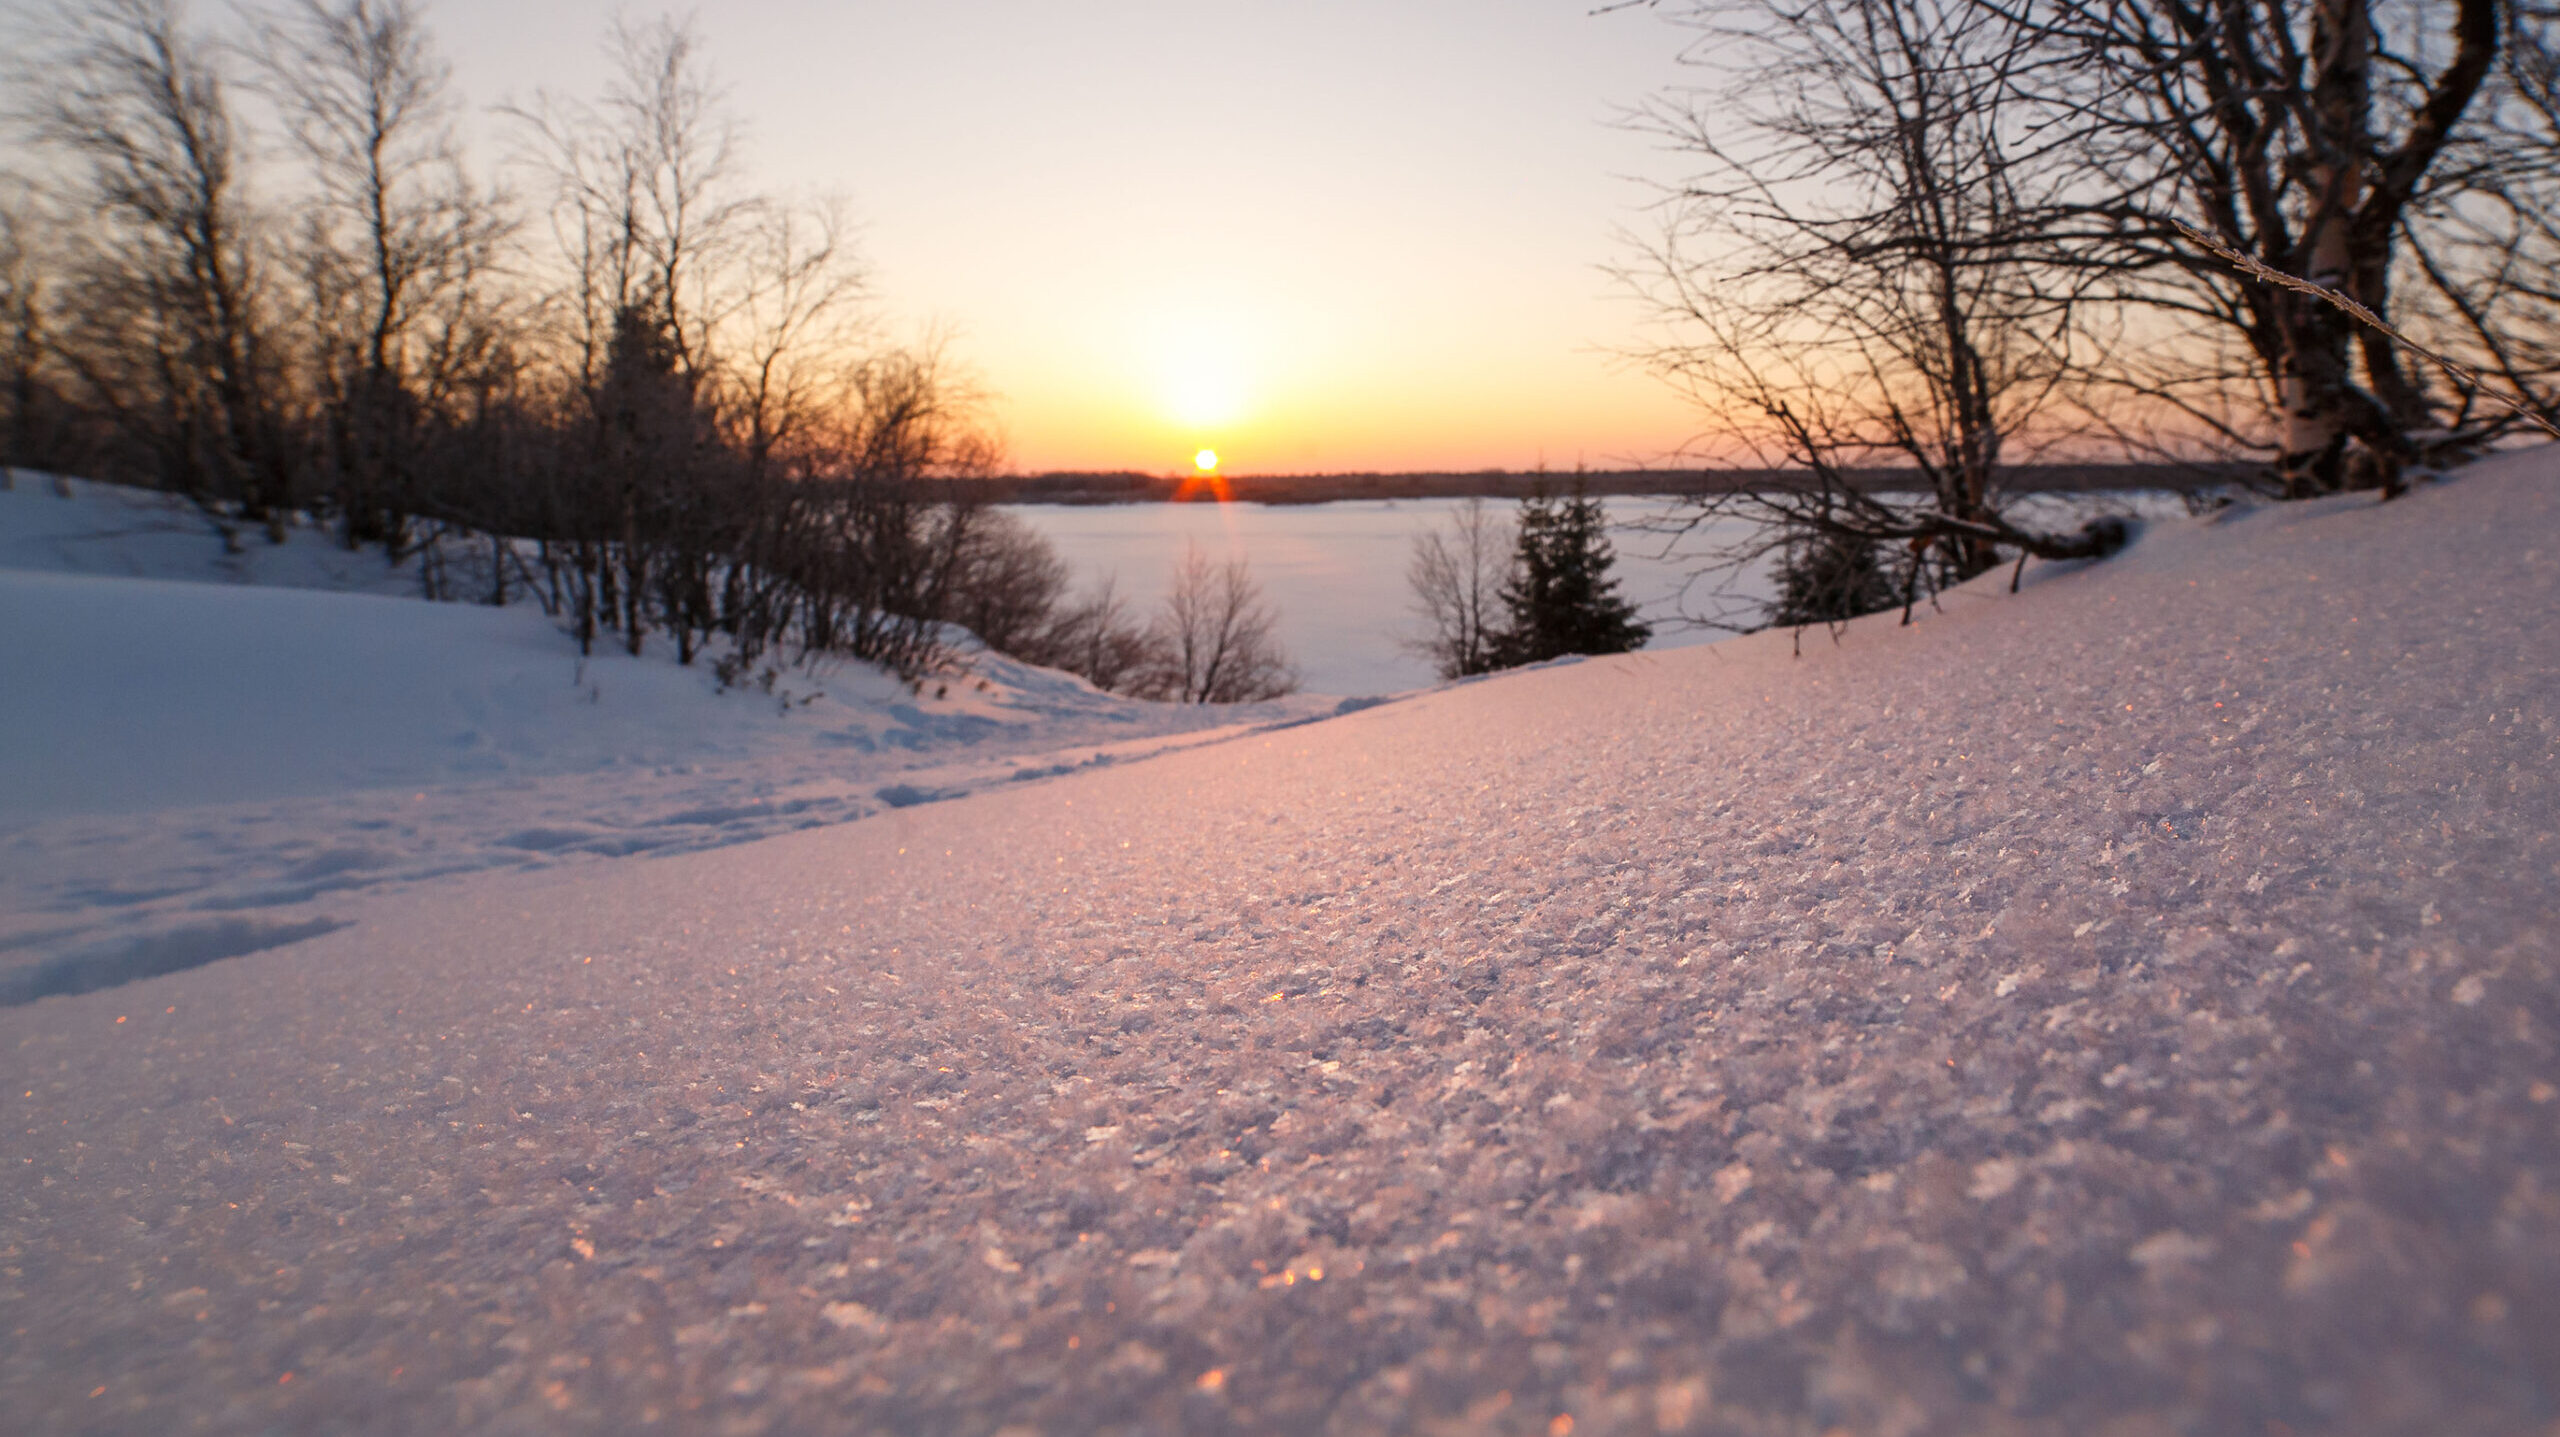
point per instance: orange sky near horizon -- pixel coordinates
(1328, 236)
(1269, 410)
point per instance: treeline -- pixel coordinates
(624, 384)
(1133, 488)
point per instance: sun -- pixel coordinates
(1204, 481)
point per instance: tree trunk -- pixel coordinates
(2317, 387)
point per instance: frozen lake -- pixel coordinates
(1335, 573)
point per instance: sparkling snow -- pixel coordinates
(2128, 1006)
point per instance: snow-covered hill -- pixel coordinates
(2129, 1007)
(202, 743)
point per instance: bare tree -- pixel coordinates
(1858, 278)
(1097, 639)
(171, 306)
(1215, 638)
(645, 199)
(1458, 573)
(1009, 584)
(854, 543)
(397, 247)
(645, 207)
(2484, 237)
(2311, 137)
(34, 421)
(795, 321)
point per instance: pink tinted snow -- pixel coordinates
(2128, 1006)
(200, 750)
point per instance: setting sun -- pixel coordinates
(1206, 461)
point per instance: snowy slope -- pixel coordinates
(197, 745)
(55, 525)
(2128, 1007)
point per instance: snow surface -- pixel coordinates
(2126, 1007)
(202, 746)
(1335, 574)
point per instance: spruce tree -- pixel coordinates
(1561, 597)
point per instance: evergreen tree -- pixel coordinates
(1560, 595)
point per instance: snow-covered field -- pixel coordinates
(1335, 573)
(2125, 1007)
(201, 751)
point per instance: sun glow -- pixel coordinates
(1178, 357)
(1205, 392)
(1201, 378)
(1204, 481)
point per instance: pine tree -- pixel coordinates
(1560, 595)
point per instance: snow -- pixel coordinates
(2127, 1006)
(1336, 573)
(55, 525)
(189, 734)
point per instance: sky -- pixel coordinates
(1314, 235)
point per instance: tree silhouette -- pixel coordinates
(1561, 597)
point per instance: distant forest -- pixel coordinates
(1129, 487)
